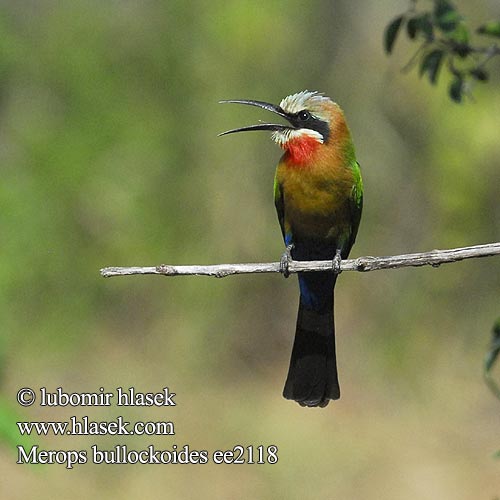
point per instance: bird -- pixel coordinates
(318, 194)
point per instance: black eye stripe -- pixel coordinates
(311, 122)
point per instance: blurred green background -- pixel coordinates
(110, 156)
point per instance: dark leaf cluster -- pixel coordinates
(490, 361)
(444, 39)
(492, 356)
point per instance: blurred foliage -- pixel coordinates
(491, 359)
(8, 429)
(445, 40)
(489, 363)
(110, 156)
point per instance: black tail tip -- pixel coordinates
(312, 402)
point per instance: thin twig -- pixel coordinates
(489, 53)
(363, 264)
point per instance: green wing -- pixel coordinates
(279, 204)
(356, 203)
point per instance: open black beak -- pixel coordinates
(260, 126)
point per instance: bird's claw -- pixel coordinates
(336, 262)
(285, 260)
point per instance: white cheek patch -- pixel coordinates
(283, 137)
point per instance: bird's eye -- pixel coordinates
(304, 116)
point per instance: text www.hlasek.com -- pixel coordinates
(86, 427)
(121, 453)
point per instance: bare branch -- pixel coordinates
(434, 258)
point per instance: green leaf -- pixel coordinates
(391, 33)
(496, 330)
(446, 15)
(449, 21)
(491, 28)
(479, 74)
(412, 27)
(457, 88)
(431, 64)
(460, 36)
(491, 358)
(426, 26)
(494, 351)
(461, 33)
(462, 50)
(442, 8)
(420, 24)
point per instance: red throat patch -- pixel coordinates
(301, 149)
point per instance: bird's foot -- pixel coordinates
(285, 260)
(336, 262)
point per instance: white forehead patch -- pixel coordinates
(283, 137)
(312, 101)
